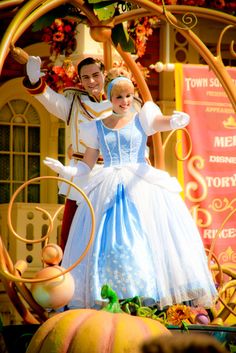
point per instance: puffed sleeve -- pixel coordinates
(147, 115)
(89, 134)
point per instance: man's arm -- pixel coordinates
(55, 103)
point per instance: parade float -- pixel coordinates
(36, 299)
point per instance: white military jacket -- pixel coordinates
(73, 107)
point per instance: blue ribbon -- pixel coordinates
(113, 82)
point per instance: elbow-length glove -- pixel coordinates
(179, 120)
(66, 171)
(33, 67)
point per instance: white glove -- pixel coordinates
(33, 69)
(179, 120)
(66, 171)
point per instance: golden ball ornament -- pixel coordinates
(100, 33)
(52, 254)
(54, 293)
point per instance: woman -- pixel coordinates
(146, 242)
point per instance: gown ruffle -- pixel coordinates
(146, 242)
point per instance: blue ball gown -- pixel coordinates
(146, 242)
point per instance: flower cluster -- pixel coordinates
(179, 313)
(122, 65)
(221, 5)
(61, 36)
(60, 77)
(140, 29)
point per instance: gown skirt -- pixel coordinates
(146, 242)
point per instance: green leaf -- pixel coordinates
(43, 22)
(104, 11)
(120, 36)
(60, 12)
(184, 326)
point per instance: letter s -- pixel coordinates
(196, 162)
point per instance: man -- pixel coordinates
(73, 107)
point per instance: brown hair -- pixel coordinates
(183, 343)
(90, 61)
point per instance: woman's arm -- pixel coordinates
(153, 120)
(177, 120)
(82, 167)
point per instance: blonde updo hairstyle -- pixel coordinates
(114, 73)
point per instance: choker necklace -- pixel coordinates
(120, 115)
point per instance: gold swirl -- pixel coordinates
(231, 48)
(189, 20)
(179, 143)
(215, 267)
(224, 257)
(224, 287)
(51, 219)
(218, 206)
(219, 231)
(228, 255)
(218, 47)
(10, 275)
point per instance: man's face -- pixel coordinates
(92, 79)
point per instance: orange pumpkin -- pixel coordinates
(94, 331)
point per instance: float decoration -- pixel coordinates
(55, 293)
(108, 293)
(49, 286)
(31, 11)
(61, 36)
(110, 329)
(90, 330)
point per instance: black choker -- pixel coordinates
(120, 115)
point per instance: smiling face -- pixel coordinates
(122, 97)
(92, 79)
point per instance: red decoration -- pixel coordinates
(61, 36)
(60, 77)
(140, 29)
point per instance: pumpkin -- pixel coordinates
(94, 331)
